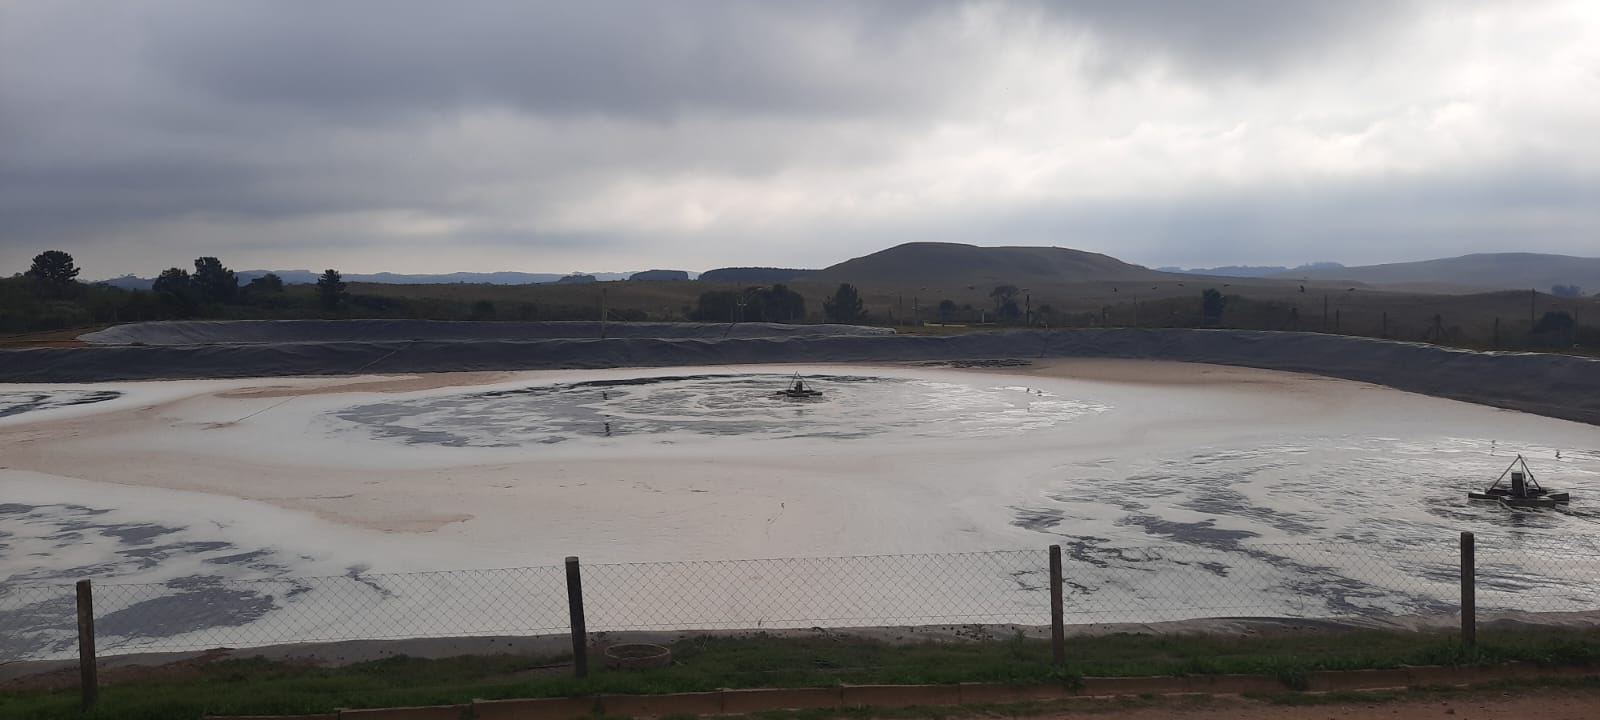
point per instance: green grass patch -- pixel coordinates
(708, 663)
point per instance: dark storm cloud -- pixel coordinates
(1251, 36)
(642, 58)
(247, 108)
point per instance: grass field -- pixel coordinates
(261, 687)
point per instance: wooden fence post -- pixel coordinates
(580, 632)
(1469, 598)
(1058, 630)
(88, 672)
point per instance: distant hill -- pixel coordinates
(755, 274)
(925, 263)
(130, 282)
(1252, 270)
(1497, 271)
(660, 275)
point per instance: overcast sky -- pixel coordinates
(611, 136)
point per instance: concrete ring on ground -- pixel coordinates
(638, 656)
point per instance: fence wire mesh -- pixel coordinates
(1151, 584)
(38, 622)
(1546, 579)
(987, 587)
(203, 613)
(1101, 584)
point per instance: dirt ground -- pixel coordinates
(1535, 704)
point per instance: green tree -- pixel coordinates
(1555, 327)
(174, 291)
(752, 304)
(1003, 295)
(54, 268)
(268, 283)
(1212, 304)
(947, 310)
(172, 281)
(716, 306)
(265, 291)
(776, 304)
(845, 306)
(330, 288)
(213, 281)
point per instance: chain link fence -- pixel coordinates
(957, 588)
(1100, 584)
(1560, 579)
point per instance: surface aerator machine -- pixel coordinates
(1521, 490)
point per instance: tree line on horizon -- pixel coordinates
(48, 296)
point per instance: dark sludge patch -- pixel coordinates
(1036, 519)
(201, 608)
(1217, 501)
(137, 533)
(714, 405)
(17, 403)
(46, 626)
(1203, 534)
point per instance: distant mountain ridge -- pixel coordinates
(1489, 271)
(674, 275)
(928, 263)
(1251, 270)
(755, 274)
(931, 264)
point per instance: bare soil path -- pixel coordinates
(1535, 704)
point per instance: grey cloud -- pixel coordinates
(634, 58)
(245, 109)
(1257, 37)
(121, 123)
